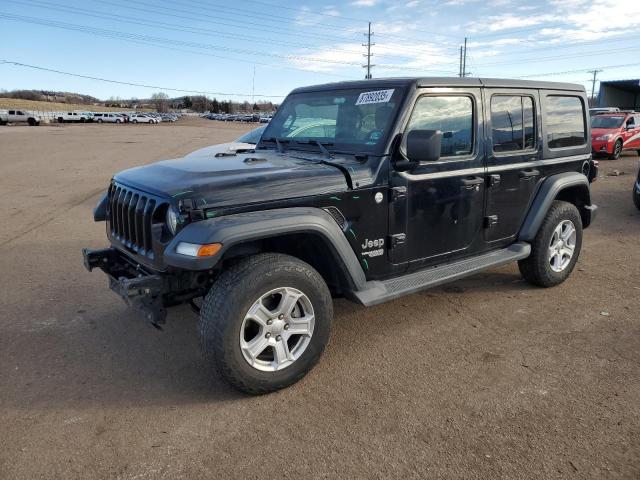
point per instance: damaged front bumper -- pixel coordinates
(141, 289)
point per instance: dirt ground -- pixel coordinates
(485, 378)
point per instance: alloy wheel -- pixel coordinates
(562, 245)
(277, 329)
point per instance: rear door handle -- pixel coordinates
(471, 183)
(529, 173)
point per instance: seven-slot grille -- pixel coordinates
(130, 216)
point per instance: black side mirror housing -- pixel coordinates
(424, 145)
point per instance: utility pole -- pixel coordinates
(460, 69)
(253, 86)
(593, 82)
(464, 59)
(368, 54)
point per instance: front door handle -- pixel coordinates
(529, 173)
(471, 183)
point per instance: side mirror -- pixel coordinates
(424, 145)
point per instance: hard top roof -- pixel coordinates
(442, 82)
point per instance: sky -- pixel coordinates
(262, 49)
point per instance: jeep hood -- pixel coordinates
(236, 179)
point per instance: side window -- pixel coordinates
(512, 123)
(12, 112)
(452, 115)
(565, 122)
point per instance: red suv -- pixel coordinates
(611, 133)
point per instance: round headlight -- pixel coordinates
(172, 220)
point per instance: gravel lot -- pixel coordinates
(484, 378)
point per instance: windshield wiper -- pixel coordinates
(322, 146)
(323, 149)
(277, 141)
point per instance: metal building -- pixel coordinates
(624, 94)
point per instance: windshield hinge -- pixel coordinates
(398, 193)
(397, 239)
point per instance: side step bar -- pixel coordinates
(376, 292)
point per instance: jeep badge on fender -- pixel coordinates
(477, 173)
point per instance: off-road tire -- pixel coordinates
(617, 150)
(536, 268)
(230, 298)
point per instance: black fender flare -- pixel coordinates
(100, 210)
(239, 228)
(547, 193)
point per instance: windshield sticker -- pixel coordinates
(380, 96)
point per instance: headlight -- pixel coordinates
(604, 137)
(172, 220)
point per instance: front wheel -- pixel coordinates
(617, 150)
(265, 322)
(556, 247)
(135, 121)
(636, 197)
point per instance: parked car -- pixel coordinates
(108, 117)
(422, 182)
(613, 133)
(636, 190)
(23, 116)
(245, 143)
(143, 118)
(75, 117)
(4, 117)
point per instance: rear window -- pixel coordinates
(565, 126)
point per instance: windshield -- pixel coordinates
(251, 137)
(353, 120)
(601, 121)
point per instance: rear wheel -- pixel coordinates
(60, 120)
(617, 150)
(265, 322)
(556, 247)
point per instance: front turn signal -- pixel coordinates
(209, 250)
(197, 250)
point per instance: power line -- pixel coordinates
(165, 25)
(559, 57)
(262, 16)
(214, 21)
(149, 38)
(274, 5)
(154, 87)
(607, 67)
(188, 29)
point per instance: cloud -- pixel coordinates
(364, 3)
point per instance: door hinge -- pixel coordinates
(490, 221)
(397, 193)
(397, 239)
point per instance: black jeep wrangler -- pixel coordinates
(369, 190)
